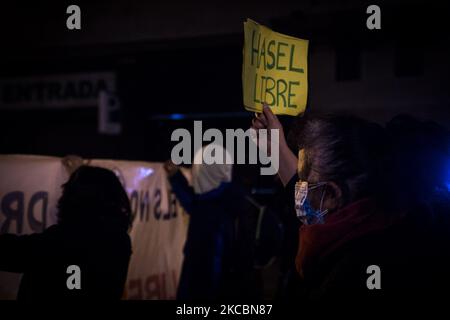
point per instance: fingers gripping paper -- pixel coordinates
(275, 70)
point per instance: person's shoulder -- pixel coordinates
(51, 233)
(381, 247)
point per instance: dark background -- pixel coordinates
(186, 57)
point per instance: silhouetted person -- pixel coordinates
(211, 203)
(91, 233)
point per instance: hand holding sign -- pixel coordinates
(288, 160)
(267, 120)
(274, 70)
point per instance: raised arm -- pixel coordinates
(180, 186)
(288, 160)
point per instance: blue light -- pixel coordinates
(447, 182)
(177, 116)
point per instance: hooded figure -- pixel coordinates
(211, 203)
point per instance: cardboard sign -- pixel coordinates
(275, 70)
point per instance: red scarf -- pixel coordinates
(353, 221)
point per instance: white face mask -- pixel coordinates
(305, 213)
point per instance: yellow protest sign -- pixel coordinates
(274, 70)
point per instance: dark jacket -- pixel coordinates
(208, 248)
(102, 255)
(413, 257)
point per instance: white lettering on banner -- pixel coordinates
(29, 191)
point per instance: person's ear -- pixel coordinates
(333, 197)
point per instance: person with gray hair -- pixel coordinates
(351, 186)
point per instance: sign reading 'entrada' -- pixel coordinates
(55, 91)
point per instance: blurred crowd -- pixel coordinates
(352, 195)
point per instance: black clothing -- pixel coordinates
(101, 253)
(413, 256)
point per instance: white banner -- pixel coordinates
(31, 185)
